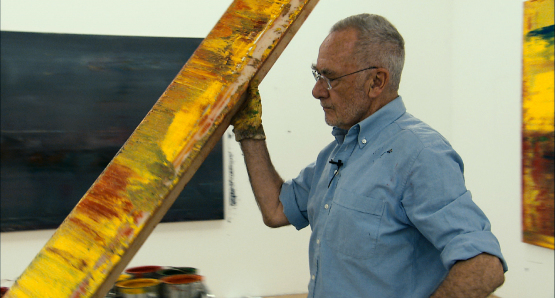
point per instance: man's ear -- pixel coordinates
(378, 82)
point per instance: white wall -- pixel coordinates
(462, 76)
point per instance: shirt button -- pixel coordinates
(335, 172)
(317, 241)
(363, 141)
(313, 277)
(326, 206)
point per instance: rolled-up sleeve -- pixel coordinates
(438, 204)
(294, 197)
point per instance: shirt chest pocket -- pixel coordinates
(353, 224)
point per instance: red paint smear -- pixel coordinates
(142, 270)
(181, 279)
(85, 227)
(107, 193)
(240, 19)
(81, 290)
(127, 232)
(137, 217)
(538, 160)
(205, 125)
(95, 209)
(222, 30)
(239, 5)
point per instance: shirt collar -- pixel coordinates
(369, 128)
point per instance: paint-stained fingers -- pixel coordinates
(247, 122)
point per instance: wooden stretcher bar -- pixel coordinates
(101, 235)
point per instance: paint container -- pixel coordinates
(5, 285)
(187, 270)
(143, 271)
(182, 286)
(168, 271)
(113, 291)
(139, 288)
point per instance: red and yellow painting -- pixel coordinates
(537, 124)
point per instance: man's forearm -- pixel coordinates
(265, 181)
(475, 277)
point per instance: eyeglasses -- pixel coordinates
(317, 75)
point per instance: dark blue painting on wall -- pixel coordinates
(68, 103)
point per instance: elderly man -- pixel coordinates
(386, 200)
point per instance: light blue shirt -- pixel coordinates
(394, 217)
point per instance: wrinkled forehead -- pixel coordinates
(336, 51)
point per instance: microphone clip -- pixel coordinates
(338, 163)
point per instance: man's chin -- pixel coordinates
(330, 122)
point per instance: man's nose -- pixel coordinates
(319, 91)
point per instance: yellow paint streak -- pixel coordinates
(538, 71)
(82, 252)
(231, 48)
(65, 258)
(183, 125)
(538, 106)
(539, 13)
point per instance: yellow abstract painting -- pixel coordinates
(537, 124)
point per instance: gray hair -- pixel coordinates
(378, 42)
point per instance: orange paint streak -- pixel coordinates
(81, 290)
(106, 193)
(239, 6)
(80, 264)
(86, 228)
(223, 30)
